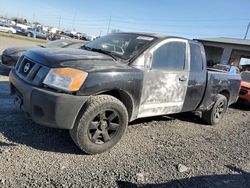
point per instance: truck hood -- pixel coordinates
(74, 58)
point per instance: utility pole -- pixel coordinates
(74, 19)
(109, 25)
(247, 30)
(34, 17)
(59, 24)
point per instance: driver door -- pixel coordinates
(166, 79)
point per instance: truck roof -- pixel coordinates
(156, 35)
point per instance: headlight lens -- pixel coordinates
(66, 79)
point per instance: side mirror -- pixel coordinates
(148, 60)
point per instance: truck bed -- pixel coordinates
(223, 82)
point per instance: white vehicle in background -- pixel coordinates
(53, 30)
(6, 28)
(91, 37)
(25, 27)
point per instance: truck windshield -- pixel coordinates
(121, 45)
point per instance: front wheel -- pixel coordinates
(215, 114)
(103, 123)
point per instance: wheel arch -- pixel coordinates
(225, 93)
(124, 97)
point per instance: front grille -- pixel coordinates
(30, 71)
(26, 67)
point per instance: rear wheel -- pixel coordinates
(101, 126)
(215, 114)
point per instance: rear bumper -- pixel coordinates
(48, 108)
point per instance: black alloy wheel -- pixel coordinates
(219, 110)
(215, 114)
(104, 126)
(102, 123)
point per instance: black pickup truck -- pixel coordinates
(95, 91)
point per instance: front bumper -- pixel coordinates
(48, 108)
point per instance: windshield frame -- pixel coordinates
(140, 51)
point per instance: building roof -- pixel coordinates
(226, 40)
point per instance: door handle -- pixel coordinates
(182, 78)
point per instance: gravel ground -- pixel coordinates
(170, 151)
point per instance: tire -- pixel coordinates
(29, 35)
(102, 124)
(216, 113)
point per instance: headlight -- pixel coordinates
(66, 79)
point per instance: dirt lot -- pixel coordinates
(148, 155)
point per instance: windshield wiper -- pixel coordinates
(86, 48)
(104, 52)
(100, 51)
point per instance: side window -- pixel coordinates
(196, 58)
(170, 56)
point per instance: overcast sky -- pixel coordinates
(192, 19)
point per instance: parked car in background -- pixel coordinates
(36, 33)
(245, 88)
(19, 30)
(58, 36)
(11, 55)
(6, 28)
(86, 37)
